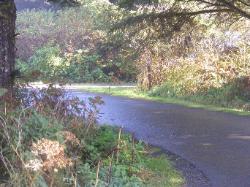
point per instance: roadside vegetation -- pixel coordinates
(171, 51)
(213, 72)
(136, 93)
(53, 140)
(205, 63)
(55, 46)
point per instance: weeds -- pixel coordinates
(53, 140)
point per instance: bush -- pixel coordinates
(77, 50)
(53, 140)
(201, 63)
(213, 77)
(48, 64)
(45, 64)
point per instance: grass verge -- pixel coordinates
(57, 142)
(164, 173)
(136, 94)
(153, 170)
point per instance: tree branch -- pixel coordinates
(161, 15)
(235, 9)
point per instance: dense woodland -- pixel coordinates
(196, 50)
(173, 49)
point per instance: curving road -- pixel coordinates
(216, 143)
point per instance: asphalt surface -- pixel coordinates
(215, 143)
(34, 4)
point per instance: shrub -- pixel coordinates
(53, 140)
(48, 64)
(200, 63)
(77, 50)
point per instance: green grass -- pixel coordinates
(153, 170)
(164, 173)
(136, 94)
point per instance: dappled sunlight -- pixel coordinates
(207, 144)
(173, 73)
(158, 112)
(239, 137)
(176, 180)
(186, 136)
(56, 61)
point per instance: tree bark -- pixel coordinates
(7, 42)
(149, 69)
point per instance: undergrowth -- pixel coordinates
(234, 94)
(54, 45)
(51, 139)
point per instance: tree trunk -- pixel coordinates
(7, 43)
(149, 69)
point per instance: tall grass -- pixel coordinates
(50, 139)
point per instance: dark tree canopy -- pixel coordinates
(195, 7)
(163, 18)
(179, 11)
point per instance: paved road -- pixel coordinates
(34, 4)
(217, 143)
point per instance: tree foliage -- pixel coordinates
(195, 7)
(161, 19)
